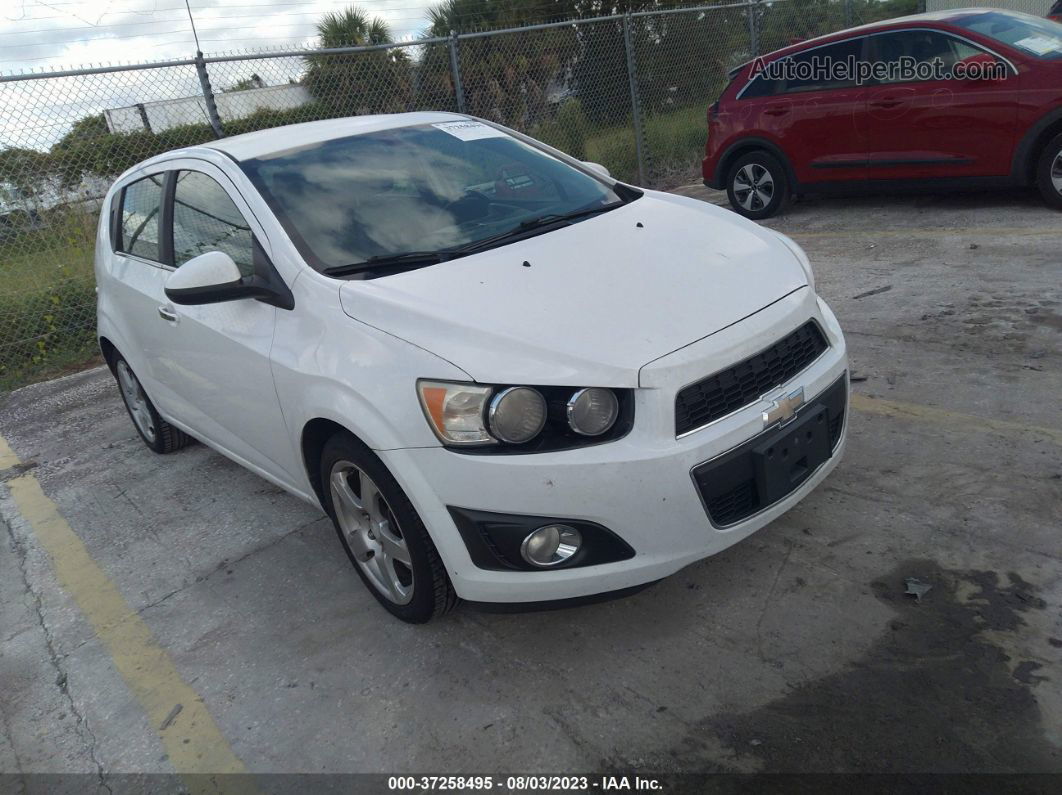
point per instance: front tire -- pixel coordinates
(1049, 173)
(382, 534)
(757, 185)
(157, 434)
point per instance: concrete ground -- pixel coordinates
(180, 614)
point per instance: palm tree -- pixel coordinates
(348, 84)
(351, 27)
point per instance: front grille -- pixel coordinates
(728, 484)
(746, 382)
(734, 505)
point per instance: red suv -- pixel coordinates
(964, 98)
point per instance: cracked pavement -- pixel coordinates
(792, 651)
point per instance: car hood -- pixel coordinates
(588, 304)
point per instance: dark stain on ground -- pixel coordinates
(932, 694)
(1050, 320)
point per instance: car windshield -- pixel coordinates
(417, 190)
(1032, 35)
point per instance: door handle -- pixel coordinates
(776, 111)
(885, 103)
(167, 313)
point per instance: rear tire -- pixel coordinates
(1049, 173)
(757, 185)
(157, 434)
(382, 534)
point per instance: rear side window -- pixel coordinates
(819, 69)
(922, 49)
(205, 218)
(141, 208)
(760, 87)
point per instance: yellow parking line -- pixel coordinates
(8, 458)
(192, 739)
(894, 408)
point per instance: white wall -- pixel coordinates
(169, 113)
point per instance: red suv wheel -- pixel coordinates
(757, 185)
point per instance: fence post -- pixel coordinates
(455, 69)
(636, 104)
(848, 13)
(208, 95)
(754, 33)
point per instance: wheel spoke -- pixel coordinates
(393, 546)
(375, 541)
(385, 575)
(342, 490)
(135, 400)
(1056, 173)
(370, 497)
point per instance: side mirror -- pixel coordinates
(213, 277)
(600, 169)
(206, 279)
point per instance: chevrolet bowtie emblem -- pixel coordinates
(783, 408)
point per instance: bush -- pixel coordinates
(568, 130)
(46, 328)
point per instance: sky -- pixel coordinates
(45, 35)
(49, 34)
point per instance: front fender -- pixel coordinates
(1025, 154)
(326, 365)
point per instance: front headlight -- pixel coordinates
(591, 412)
(456, 412)
(798, 252)
(524, 418)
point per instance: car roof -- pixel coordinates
(277, 139)
(914, 20)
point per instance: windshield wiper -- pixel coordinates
(530, 225)
(420, 258)
(411, 258)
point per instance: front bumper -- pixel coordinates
(639, 487)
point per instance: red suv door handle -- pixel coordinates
(776, 111)
(885, 103)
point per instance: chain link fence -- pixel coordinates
(629, 91)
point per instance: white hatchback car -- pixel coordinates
(504, 375)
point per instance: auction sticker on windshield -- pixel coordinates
(469, 130)
(1039, 45)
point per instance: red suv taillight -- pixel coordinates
(713, 111)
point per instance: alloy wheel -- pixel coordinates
(135, 400)
(753, 186)
(371, 532)
(1056, 172)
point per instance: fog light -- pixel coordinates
(592, 411)
(551, 545)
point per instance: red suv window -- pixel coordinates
(812, 71)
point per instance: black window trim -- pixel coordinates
(117, 211)
(866, 41)
(863, 51)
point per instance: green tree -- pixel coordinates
(24, 174)
(507, 78)
(351, 83)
